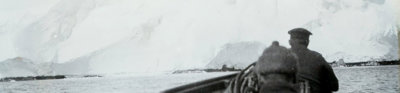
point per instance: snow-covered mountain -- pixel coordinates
(141, 36)
(18, 67)
(238, 55)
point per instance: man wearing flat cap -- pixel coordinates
(312, 67)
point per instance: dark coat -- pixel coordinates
(313, 68)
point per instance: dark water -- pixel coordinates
(368, 79)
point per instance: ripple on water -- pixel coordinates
(369, 79)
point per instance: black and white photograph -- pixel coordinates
(199, 46)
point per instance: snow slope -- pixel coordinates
(18, 67)
(142, 36)
(238, 55)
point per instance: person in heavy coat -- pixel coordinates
(276, 70)
(273, 72)
(312, 67)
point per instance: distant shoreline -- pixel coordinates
(30, 78)
(365, 63)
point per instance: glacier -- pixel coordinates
(158, 36)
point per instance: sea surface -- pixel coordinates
(367, 79)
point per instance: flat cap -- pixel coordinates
(299, 33)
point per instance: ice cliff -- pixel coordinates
(142, 36)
